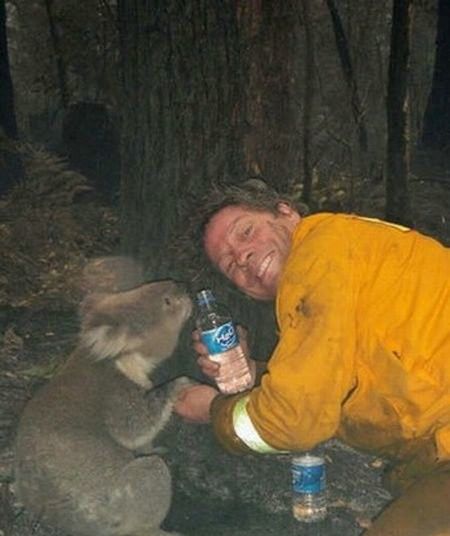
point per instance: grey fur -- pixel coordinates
(85, 461)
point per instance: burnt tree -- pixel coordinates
(57, 50)
(181, 111)
(349, 75)
(7, 115)
(308, 101)
(436, 128)
(268, 37)
(207, 95)
(398, 205)
(10, 164)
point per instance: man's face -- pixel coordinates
(250, 246)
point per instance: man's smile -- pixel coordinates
(264, 265)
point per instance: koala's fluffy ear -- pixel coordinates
(101, 330)
(111, 274)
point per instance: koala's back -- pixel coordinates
(63, 446)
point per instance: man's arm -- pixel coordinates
(202, 404)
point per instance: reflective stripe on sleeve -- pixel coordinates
(246, 432)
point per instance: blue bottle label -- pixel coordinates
(308, 479)
(220, 339)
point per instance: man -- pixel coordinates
(363, 309)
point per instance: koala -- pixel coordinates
(84, 456)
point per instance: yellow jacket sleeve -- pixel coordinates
(222, 419)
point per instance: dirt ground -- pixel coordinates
(214, 492)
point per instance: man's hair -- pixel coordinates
(254, 194)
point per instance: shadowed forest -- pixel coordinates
(115, 114)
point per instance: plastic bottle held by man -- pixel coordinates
(219, 335)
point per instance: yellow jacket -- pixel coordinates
(363, 310)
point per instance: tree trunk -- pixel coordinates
(436, 128)
(10, 164)
(60, 65)
(7, 115)
(398, 208)
(308, 99)
(181, 114)
(208, 95)
(268, 38)
(347, 69)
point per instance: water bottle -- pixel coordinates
(220, 336)
(309, 501)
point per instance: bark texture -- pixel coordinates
(398, 208)
(436, 129)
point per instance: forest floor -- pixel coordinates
(45, 240)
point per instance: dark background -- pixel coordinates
(111, 112)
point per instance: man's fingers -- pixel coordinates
(199, 348)
(208, 367)
(243, 338)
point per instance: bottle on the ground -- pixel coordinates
(220, 336)
(309, 488)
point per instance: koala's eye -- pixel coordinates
(167, 301)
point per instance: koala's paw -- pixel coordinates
(182, 382)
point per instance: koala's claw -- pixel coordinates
(182, 382)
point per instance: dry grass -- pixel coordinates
(49, 227)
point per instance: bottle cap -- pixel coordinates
(308, 460)
(205, 296)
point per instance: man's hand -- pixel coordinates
(212, 369)
(194, 403)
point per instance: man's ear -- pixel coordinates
(284, 208)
